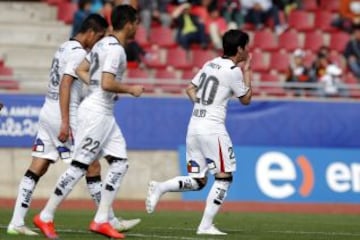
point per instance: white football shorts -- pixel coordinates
(97, 135)
(47, 145)
(212, 153)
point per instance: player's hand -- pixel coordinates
(137, 90)
(64, 132)
(247, 64)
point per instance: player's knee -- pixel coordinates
(201, 182)
(224, 177)
(79, 165)
(94, 169)
(39, 166)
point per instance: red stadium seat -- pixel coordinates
(179, 58)
(330, 5)
(142, 77)
(323, 21)
(153, 58)
(313, 41)
(279, 61)
(289, 40)
(162, 36)
(272, 85)
(201, 56)
(188, 75)
(301, 20)
(141, 36)
(259, 63)
(338, 41)
(265, 40)
(6, 79)
(350, 79)
(310, 5)
(167, 81)
(66, 12)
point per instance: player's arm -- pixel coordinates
(191, 92)
(82, 71)
(64, 97)
(247, 73)
(108, 83)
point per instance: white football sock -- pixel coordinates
(178, 184)
(94, 186)
(114, 176)
(65, 184)
(24, 197)
(214, 201)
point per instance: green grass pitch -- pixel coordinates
(182, 225)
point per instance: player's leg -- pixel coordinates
(94, 185)
(221, 162)
(195, 181)
(88, 143)
(37, 168)
(44, 152)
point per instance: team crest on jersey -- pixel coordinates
(38, 146)
(211, 164)
(193, 167)
(64, 152)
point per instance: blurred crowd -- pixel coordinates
(202, 23)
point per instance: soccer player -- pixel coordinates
(98, 133)
(208, 145)
(47, 147)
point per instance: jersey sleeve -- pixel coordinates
(74, 60)
(237, 83)
(196, 79)
(113, 60)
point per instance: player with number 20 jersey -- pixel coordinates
(208, 145)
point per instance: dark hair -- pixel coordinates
(93, 22)
(121, 15)
(82, 4)
(233, 39)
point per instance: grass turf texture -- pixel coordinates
(182, 226)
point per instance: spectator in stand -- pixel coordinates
(230, 10)
(84, 9)
(331, 83)
(352, 51)
(287, 5)
(217, 27)
(319, 65)
(349, 14)
(298, 72)
(154, 10)
(134, 53)
(259, 11)
(189, 28)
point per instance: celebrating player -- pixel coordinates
(47, 147)
(98, 133)
(208, 145)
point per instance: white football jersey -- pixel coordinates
(217, 81)
(106, 56)
(66, 59)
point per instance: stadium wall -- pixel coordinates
(155, 129)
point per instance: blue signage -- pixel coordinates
(272, 174)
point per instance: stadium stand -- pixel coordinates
(34, 29)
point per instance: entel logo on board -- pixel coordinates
(277, 166)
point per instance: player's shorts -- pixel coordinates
(96, 136)
(47, 145)
(209, 153)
